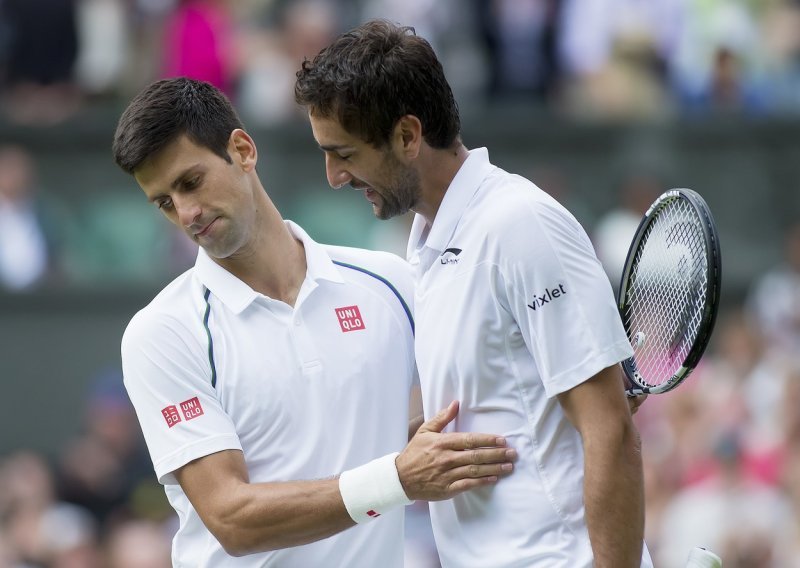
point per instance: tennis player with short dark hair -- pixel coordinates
(272, 379)
(515, 315)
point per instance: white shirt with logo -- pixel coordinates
(304, 392)
(512, 308)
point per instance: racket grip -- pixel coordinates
(702, 558)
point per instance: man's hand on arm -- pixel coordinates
(613, 478)
(255, 517)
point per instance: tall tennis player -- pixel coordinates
(516, 318)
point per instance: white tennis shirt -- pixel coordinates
(304, 392)
(512, 308)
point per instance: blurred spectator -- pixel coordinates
(774, 298)
(614, 54)
(24, 254)
(719, 64)
(41, 531)
(146, 20)
(790, 470)
(614, 231)
(780, 35)
(103, 32)
(274, 51)
(138, 544)
(520, 40)
(69, 538)
(429, 18)
(748, 382)
(199, 42)
(103, 467)
(41, 52)
(738, 517)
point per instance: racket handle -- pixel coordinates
(702, 558)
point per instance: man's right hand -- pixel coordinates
(436, 466)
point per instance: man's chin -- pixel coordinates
(382, 214)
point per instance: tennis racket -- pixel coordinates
(669, 293)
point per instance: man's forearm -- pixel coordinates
(614, 499)
(247, 518)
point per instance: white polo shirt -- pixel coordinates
(304, 392)
(512, 308)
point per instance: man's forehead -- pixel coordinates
(168, 163)
(329, 132)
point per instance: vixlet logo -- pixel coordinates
(450, 256)
(549, 294)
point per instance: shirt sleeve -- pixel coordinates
(560, 296)
(168, 378)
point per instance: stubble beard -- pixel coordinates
(401, 195)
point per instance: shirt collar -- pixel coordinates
(458, 195)
(237, 295)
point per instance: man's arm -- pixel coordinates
(613, 479)
(253, 517)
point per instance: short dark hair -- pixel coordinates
(167, 109)
(375, 74)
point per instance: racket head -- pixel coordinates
(669, 292)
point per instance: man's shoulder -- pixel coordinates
(174, 303)
(384, 264)
(510, 202)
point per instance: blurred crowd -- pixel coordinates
(721, 453)
(95, 503)
(586, 58)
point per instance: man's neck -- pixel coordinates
(274, 263)
(438, 167)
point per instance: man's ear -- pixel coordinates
(407, 136)
(242, 149)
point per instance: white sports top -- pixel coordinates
(303, 392)
(512, 308)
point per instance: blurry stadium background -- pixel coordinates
(603, 103)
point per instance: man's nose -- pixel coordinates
(337, 175)
(188, 209)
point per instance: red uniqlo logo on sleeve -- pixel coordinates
(191, 408)
(171, 415)
(350, 318)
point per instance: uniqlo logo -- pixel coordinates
(349, 318)
(171, 415)
(191, 408)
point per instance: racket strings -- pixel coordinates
(667, 292)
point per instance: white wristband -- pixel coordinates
(372, 489)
